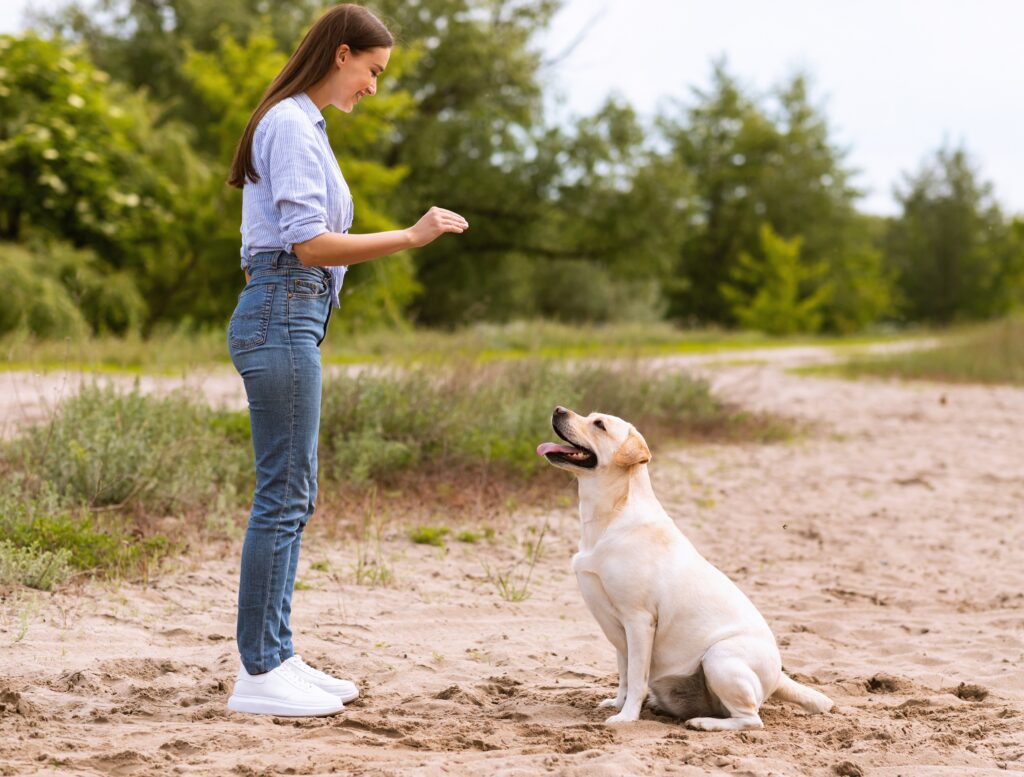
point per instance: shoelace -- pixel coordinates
(298, 679)
(298, 661)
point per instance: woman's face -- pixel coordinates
(355, 75)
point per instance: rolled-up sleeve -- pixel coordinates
(298, 182)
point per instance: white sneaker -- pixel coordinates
(344, 689)
(281, 691)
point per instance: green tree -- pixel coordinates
(78, 154)
(463, 141)
(82, 159)
(146, 43)
(953, 251)
(753, 161)
(765, 292)
(470, 145)
(862, 284)
(616, 214)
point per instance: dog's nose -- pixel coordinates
(559, 410)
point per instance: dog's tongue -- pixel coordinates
(550, 447)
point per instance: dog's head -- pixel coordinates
(595, 442)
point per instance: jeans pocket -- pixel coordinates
(251, 319)
(309, 286)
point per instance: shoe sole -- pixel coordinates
(258, 705)
(345, 698)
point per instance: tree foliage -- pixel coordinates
(955, 254)
(765, 292)
(729, 208)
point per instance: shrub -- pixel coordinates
(34, 298)
(106, 448)
(32, 567)
(44, 540)
(472, 416)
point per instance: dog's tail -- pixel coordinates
(808, 698)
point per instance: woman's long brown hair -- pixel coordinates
(312, 60)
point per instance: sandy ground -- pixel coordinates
(886, 549)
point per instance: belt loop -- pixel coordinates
(273, 262)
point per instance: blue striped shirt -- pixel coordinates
(301, 192)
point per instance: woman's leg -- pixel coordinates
(308, 318)
(287, 649)
(283, 381)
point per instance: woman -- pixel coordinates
(296, 212)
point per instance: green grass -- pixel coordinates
(166, 353)
(45, 540)
(105, 448)
(32, 567)
(991, 353)
(513, 584)
(174, 351)
(429, 535)
(487, 419)
(113, 481)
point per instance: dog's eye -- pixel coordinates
(599, 424)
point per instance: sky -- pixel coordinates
(897, 79)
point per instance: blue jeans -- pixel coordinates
(274, 338)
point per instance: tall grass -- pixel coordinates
(116, 480)
(90, 488)
(992, 353)
(105, 448)
(46, 540)
(472, 417)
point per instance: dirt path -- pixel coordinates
(886, 550)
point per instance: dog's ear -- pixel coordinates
(633, 451)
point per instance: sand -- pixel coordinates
(885, 548)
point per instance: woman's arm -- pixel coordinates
(334, 248)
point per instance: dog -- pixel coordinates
(682, 630)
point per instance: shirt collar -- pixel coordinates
(309, 108)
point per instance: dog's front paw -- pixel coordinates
(622, 717)
(612, 702)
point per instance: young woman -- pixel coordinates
(296, 212)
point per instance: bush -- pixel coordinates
(105, 448)
(34, 299)
(375, 426)
(606, 296)
(58, 291)
(44, 541)
(109, 300)
(32, 567)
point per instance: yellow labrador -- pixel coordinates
(683, 631)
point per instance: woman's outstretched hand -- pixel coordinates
(434, 223)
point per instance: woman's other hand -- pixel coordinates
(434, 223)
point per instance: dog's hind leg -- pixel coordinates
(737, 687)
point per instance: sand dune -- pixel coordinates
(886, 549)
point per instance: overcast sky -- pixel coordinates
(897, 78)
